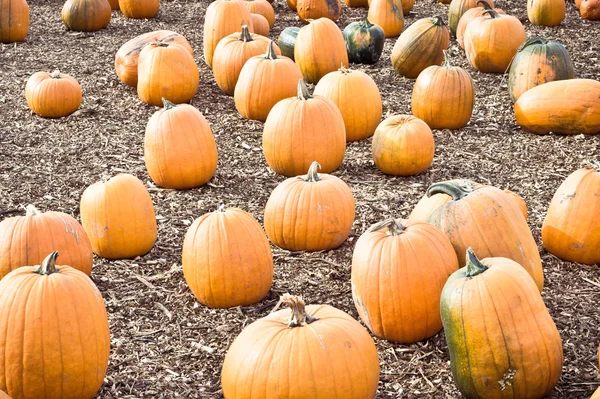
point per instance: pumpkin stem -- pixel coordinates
(451, 188)
(168, 104)
(159, 44)
(474, 265)
(271, 52)
(312, 175)
(592, 165)
(55, 74)
(485, 5)
(48, 266)
(31, 210)
(447, 59)
(365, 23)
(394, 228)
(246, 36)
(533, 40)
(303, 93)
(344, 70)
(438, 21)
(491, 12)
(299, 317)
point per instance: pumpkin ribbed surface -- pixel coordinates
(14, 20)
(86, 15)
(53, 95)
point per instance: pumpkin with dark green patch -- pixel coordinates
(364, 42)
(287, 41)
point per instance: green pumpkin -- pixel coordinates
(287, 40)
(364, 42)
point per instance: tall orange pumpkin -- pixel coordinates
(458, 8)
(590, 9)
(387, 14)
(315, 9)
(139, 9)
(57, 316)
(53, 95)
(469, 16)
(546, 12)
(262, 7)
(14, 20)
(398, 271)
(86, 15)
(118, 217)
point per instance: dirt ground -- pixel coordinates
(166, 345)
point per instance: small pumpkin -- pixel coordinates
(403, 146)
(52, 95)
(398, 271)
(356, 3)
(546, 12)
(166, 70)
(303, 129)
(14, 20)
(287, 41)
(262, 7)
(86, 15)
(261, 25)
(310, 213)
(358, 99)
(317, 60)
(571, 230)
(469, 16)
(590, 9)
(264, 81)
(139, 9)
(240, 272)
(564, 106)
(458, 8)
(330, 341)
(114, 5)
(118, 217)
(388, 15)
(364, 42)
(57, 316)
(179, 148)
(538, 61)
(443, 96)
(315, 9)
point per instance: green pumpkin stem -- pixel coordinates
(246, 36)
(168, 104)
(485, 5)
(438, 21)
(532, 41)
(365, 23)
(447, 59)
(491, 12)
(312, 175)
(48, 266)
(31, 210)
(303, 92)
(299, 317)
(55, 74)
(271, 51)
(451, 188)
(474, 265)
(394, 228)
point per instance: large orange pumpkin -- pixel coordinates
(458, 8)
(565, 106)
(398, 271)
(571, 229)
(53, 95)
(310, 213)
(118, 217)
(301, 130)
(167, 70)
(57, 316)
(86, 15)
(315, 351)
(14, 20)
(240, 271)
(319, 49)
(315, 9)
(262, 7)
(590, 9)
(139, 8)
(27, 240)
(388, 15)
(502, 341)
(407, 5)
(546, 12)
(358, 99)
(469, 16)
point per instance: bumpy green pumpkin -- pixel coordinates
(287, 40)
(364, 42)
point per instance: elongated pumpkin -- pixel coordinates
(287, 41)
(139, 9)
(14, 20)
(546, 12)
(364, 42)
(315, 9)
(387, 14)
(53, 95)
(86, 15)
(469, 16)
(458, 8)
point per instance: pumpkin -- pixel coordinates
(501, 338)
(546, 12)
(233, 52)
(139, 9)
(262, 7)
(222, 18)
(538, 61)
(315, 9)
(521, 204)
(458, 8)
(358, 99)
(443, 96)
(291, 4)
(166, 70)
(3, 395)
(261, 25)
(14, 20)
(127, 57)
(86, 15)
(403, 146)
(420, 46)
(57, 316)
(388, 15)
(571, 230)
(398, 271)
(287, 41)
(590, 9)
(356, 3)
(444, 1)
(470, 15)
(491, 42)
(179, 148)
(114, 4)
(596, 394)
(407, 5)
(118, 217)
(27, 240)
(265, 80)
(320, 49)
(488, 220)
(301, 130)
(52, 95)
(564, 106)
(311, 348)
(364, 42)
(240, 271)
(310, 213)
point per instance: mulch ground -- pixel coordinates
(166, 345)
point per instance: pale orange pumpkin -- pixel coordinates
(596, 394)
(14, 20)
(469, 16)
(262, 7)
(86, 15)
(388, 15)
(546, 12)
(139, 9)
(261, 25)
(407, 5)
(315, 9)
(53, 95)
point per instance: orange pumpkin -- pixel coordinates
(179, 148)
(590, 9)
(469, 16)
(443, 96)
(139, 9)
(262, 7)
(571, 230)
(166, 70)
(261, 25)
(546, 12)
(356, 3)
(398, 271)
(301, 130)
(458, 8)
(264, 81)
(52, 95)
(387, 14)
(114, 4)
(14, 20)
(3, 395)
(291, 4)
(312, 347)
(86, 15)
(118, 217)
(403, 146)
(596, 394)
(520, 203)
(57, 316)
(319, 49)
(315, 9)
(358, 99)
(27, 240)
(407, 5)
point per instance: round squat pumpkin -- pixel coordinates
(139, 9)
(364, 42)
(310, 213)
(388, 15)
(86, 15)
(53, 95)
(318, 352)
(590, 9)
(502, 341)
(546, 12)
(315, 9)
(57, 316)
(458, 8)
(14, 20)
(398, 271)
(262, 7)
(287, 41)
(118, 217)
(469, 16)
